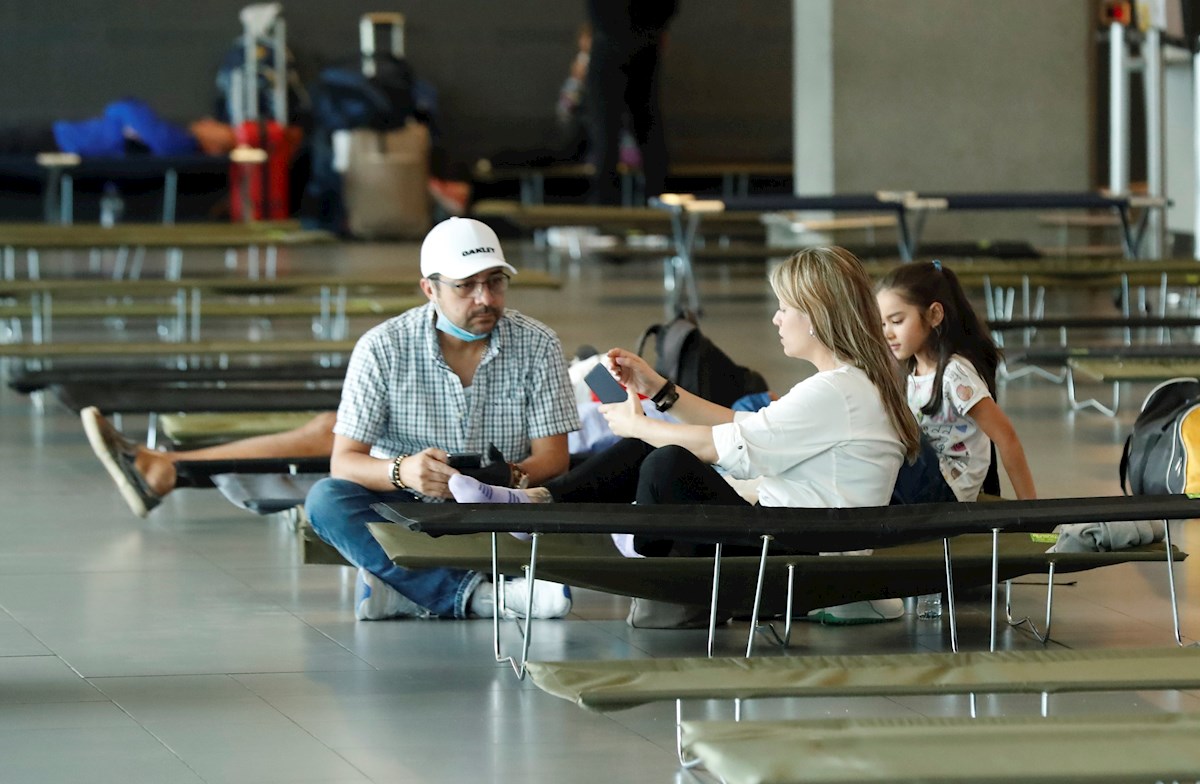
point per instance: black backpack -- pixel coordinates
(694, 362)
(1162, 454)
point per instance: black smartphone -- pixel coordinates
(463, 460)
(607, 390)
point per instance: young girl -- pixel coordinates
(951, 362)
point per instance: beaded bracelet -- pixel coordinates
(396, 481)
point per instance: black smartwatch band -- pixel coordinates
(666, 396)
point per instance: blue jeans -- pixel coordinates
(339, 512)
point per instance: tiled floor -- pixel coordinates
(195, 647)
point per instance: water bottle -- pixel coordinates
(929, 606)
(111, 206)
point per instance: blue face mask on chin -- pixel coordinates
(444, 324)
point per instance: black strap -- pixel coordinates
(652, 330)
(1125, 464)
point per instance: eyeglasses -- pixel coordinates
(469, 289)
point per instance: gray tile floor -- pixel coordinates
(195, 647)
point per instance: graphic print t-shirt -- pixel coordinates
(964, 451)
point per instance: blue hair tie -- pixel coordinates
(937, 265)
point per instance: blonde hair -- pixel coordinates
(831, 286)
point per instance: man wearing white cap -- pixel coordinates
(459, 374)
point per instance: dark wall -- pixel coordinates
(497, 65)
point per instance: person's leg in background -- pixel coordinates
(605, 105)
(645, 113)
(144, 476)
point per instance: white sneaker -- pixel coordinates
(375, 600)
(550, 600)
(869, 611)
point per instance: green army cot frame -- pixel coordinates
(808, 530)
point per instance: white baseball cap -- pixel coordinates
(458, 248)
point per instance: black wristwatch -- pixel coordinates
(666, 397)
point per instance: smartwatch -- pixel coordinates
(666, 397)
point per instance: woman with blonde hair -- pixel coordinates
(836, 439)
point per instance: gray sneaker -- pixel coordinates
(117, 454)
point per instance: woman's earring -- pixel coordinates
(810, 332)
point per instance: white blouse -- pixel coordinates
(826, 443)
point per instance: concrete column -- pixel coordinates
(812, 96)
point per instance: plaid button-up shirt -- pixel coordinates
(401, 397)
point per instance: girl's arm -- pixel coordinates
(998, 427)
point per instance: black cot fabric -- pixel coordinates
(801, 530)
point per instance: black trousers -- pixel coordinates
(623, 76)
(632, 470)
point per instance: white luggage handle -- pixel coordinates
(367, 27)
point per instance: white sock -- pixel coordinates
(483, 600)
(467, 490)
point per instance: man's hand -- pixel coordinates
(428, 473)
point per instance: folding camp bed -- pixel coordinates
(195, 430)
(124, 398)
(173, 239)
(807, 581)
(1036, 358)
(908, 750)
(1118, 370)
(904, 204)
(153, 400)
(735, 176)
(330, 311)
(57, 173)
(206, 348)
(618, 684)
(798, 530)
(1132, 232)
(183, 316)
(263, 485)
(532, 179)
(686, 212)
(27, 380)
